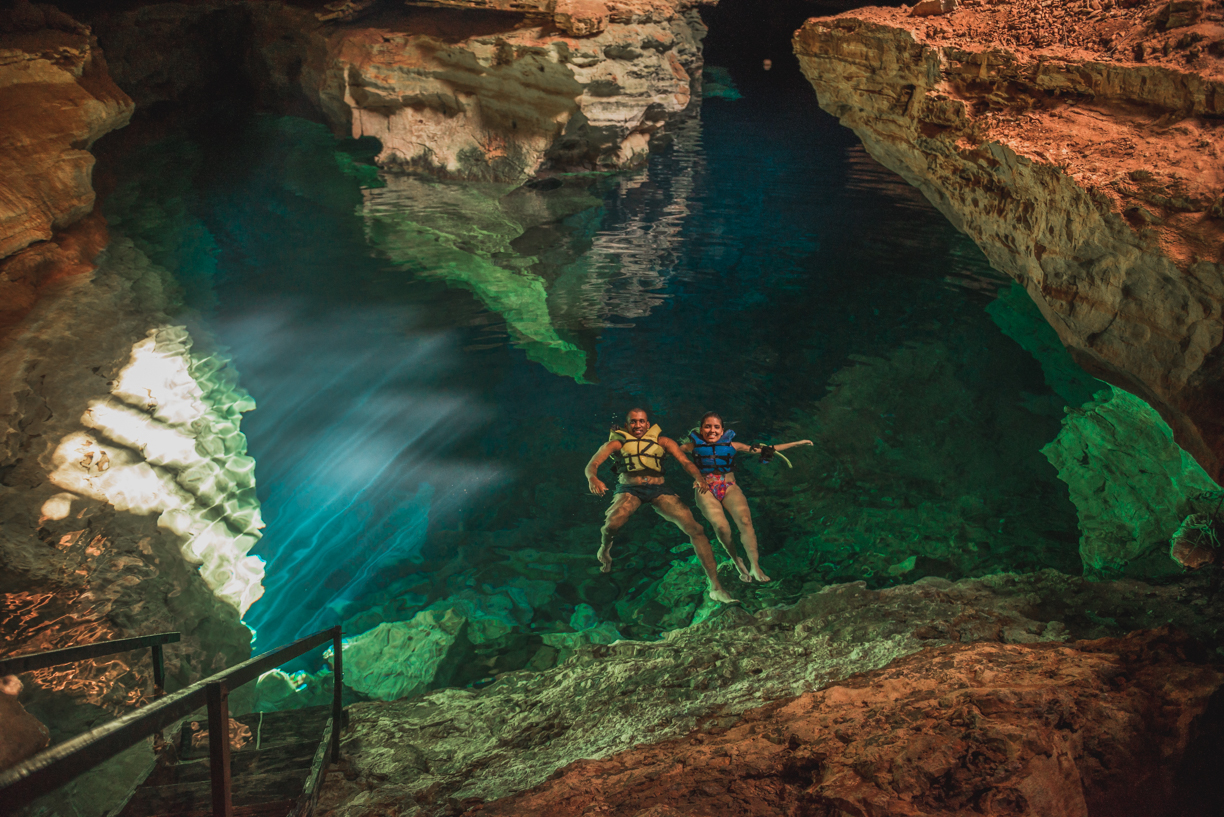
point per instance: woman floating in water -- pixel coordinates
(714, 452)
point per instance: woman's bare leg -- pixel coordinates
(673, 510)
(712, 510)
(737, 504)
(622, 507)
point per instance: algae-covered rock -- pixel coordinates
(402, 658)
(1130, 482)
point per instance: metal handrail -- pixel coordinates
(50, 658)
(59, 764)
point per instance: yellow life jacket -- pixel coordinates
(639, 456)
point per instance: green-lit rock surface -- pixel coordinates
(1129, 480)
(470, 745)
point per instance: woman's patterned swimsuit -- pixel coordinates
(718, 485)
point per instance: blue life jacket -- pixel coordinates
(713, 458)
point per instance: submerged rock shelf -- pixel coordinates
(451, 750)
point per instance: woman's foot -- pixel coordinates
(743, 571)
(605, 557)
(721, 596)
(759, 574)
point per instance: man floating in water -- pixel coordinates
(637, 454)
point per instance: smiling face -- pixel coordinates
(638, 424)
(711, 428)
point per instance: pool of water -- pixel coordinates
(434, 363)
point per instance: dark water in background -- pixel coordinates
(407, 449)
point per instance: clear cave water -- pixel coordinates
(434, 362)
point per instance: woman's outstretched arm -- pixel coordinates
(779, 447)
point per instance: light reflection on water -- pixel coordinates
(348, 431)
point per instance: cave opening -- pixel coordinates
(434, 347)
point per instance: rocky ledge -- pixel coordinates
(1096, 727)
(1079, 144)
(990, 699)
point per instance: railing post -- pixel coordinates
(337, 693)
(219, 748)
(159, 671)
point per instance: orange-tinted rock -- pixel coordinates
(24, 274)
(1100, 727)
(21, 734)
(55, 100)
(1079, 146)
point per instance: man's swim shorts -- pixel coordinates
(646, 493)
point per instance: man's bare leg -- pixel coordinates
(622, 507)
(712, 510)
(673, 510)
(737, 504)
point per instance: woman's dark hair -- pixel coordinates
(707, 416)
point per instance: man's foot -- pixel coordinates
(722, 596)
(743, 571)
(759, 574)
(605, 558)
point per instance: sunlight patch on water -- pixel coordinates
(349, 444)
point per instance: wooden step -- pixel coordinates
(273, 795)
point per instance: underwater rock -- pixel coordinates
(485, 744)
(463, 234)
(56, 99)
(1096, 727)
(1131, 484)
(1045, 135)
(402, 658)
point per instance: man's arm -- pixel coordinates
(593, 481)
(669, 445)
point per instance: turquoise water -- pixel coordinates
(434, 363)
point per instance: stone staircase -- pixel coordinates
(274, 774)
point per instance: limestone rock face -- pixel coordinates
(56, 98)
(494, 97)
(469, 745)
(491, 91)
(1098, 727)
(1078, 147)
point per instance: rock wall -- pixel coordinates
(56, 99)
(481, 91)
(1079, 146)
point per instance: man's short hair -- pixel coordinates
(630, 411)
